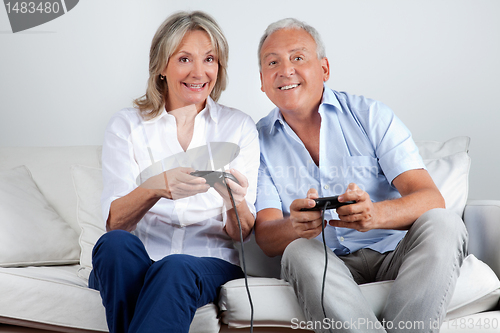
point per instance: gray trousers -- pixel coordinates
(424, 266)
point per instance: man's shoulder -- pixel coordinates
(363, 109)
(354, 102)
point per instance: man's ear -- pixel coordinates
(261, 84)
(325, 65)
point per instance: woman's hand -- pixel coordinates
(238, 191)
(176, 184)
(247, 219)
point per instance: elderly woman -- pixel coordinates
(169, 245)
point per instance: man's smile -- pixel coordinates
(288, 87)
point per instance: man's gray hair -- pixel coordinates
(292, 23)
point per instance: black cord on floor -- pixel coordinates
(242, 254)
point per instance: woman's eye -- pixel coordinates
(210, 59)
(183, 59)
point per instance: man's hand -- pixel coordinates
(306, 224)
(361, 216)
(176, 183)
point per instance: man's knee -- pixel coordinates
(442, 221)
(299, 251)
(304, 257)
(441, 226)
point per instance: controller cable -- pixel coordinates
(242, 253)
(326, 257)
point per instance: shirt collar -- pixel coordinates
(276, 120)
(328, 98)
(210, 108)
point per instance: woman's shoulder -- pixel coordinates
(228, 113)
(129, 113)
(124, 119)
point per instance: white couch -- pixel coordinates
(50, 218)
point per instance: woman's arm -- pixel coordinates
(127, 211)
(239, 192)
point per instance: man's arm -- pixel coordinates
(273, 232)
(418, 195)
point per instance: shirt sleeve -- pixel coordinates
(267, 194)
(250, 151)
(394, 145)
(119, 169)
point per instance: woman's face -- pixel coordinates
(191, 72)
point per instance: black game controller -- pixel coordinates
(333, 203)
(213, 177)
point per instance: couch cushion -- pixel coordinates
(275, 303)
(54, 298)
(88, 186)
(448, 164)
(49, 296)
(31, 231)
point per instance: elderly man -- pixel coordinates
(319, 142)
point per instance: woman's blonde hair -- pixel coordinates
(166, 40)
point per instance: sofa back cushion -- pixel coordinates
(88, 187)
(31, 231)
(51, 171)
(448, 164)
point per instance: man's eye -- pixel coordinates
(297, 58)
(271, 63)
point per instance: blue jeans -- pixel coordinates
(141, 295)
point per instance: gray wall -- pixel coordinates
(434, 62)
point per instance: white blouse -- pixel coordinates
(135, 149)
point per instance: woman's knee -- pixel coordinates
(172, 267)
(118, 244)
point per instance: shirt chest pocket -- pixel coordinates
(365, 171)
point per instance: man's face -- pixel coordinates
(292, 76)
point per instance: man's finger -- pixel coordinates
(312, 194)
(298, 204)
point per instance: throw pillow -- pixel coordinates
(88, 187)
(32, 233)
(448, 164)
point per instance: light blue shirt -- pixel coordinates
(361, 141)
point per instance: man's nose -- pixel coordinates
(287, 69)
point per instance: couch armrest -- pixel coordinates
(482, 219)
